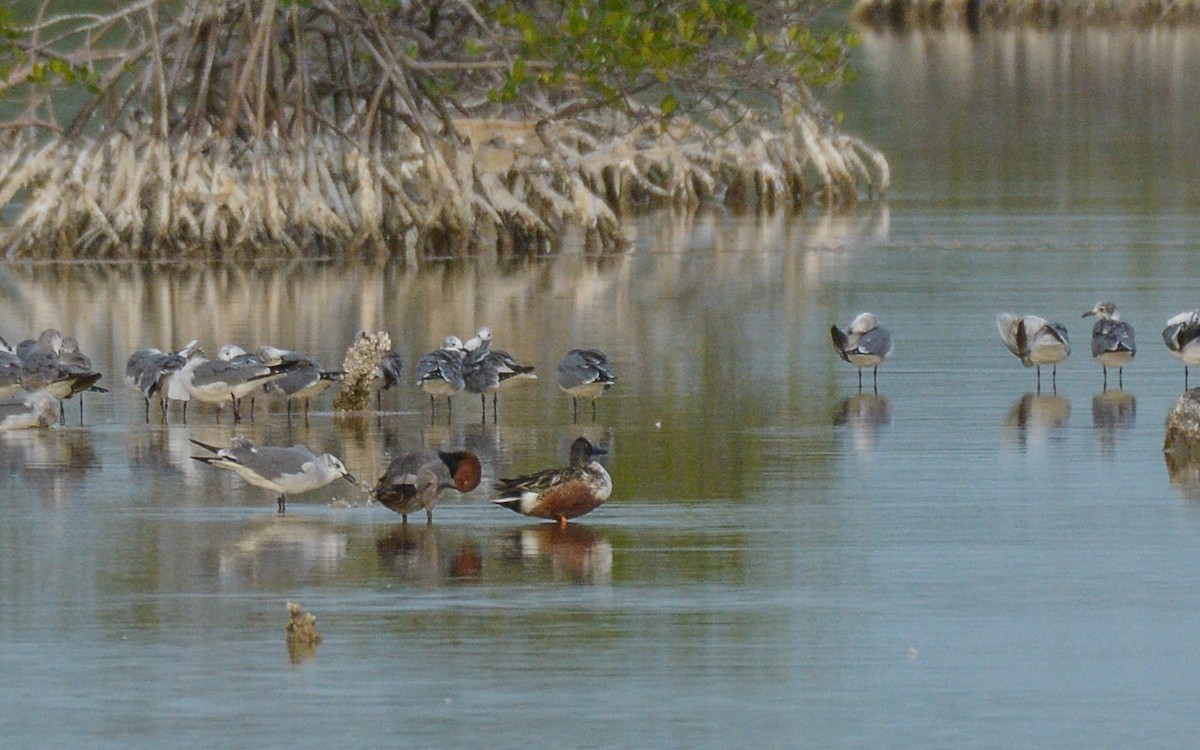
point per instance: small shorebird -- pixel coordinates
(559, 494)
(1036, 341)
(1182, 337)
(585, 373)
(1112, 340)
(440, 372)
(417, 480)
(283, 470)
(863, 343)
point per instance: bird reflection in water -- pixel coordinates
(429, 555)
(1036, 418)
(57, 463)
(573, 552)
(1112, 411)
(863, 414)
(281, 553)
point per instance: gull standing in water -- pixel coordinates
(440, 372)
(305, 379)
(10, 371)
(282, 470)
(1112, 340)
(217, 381)
(387, 376)
(486, 369)
(1182, 337)
(586, 373)
(863, 343)
(148, 372)
(54, 364)
(1036, 341)
(417, 480)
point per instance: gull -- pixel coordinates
(1036, 341)
(305, 379)
(26, 410)
(148, 371)
(10, 371)
(1182, 337)
(54, 364)
(440, 372)
(1112, 340)
(863, 343)
(486, 369)
(387, 376)
(218, 381)
(283, 470)
(418, 480)
(585, 373)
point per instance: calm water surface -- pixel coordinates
(956, 561)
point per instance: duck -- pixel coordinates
(1036, 341)
(863, 343)
(1112, 340)
(559, 494)
(1182, 337)
(418, 480)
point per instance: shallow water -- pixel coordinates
(955, 561)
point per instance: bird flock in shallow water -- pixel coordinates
(38, 374)
(1036, 341)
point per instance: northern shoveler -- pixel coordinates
(1112, 340)
(559, 494)
(417, 480)
(282, 470)
(585, 373)
(863, 343)
(1182, 337)
(1035, 340)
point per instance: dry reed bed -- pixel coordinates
(136, 195)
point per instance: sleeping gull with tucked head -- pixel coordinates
(1182, 337)
(863, 343)
(1036, 341)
